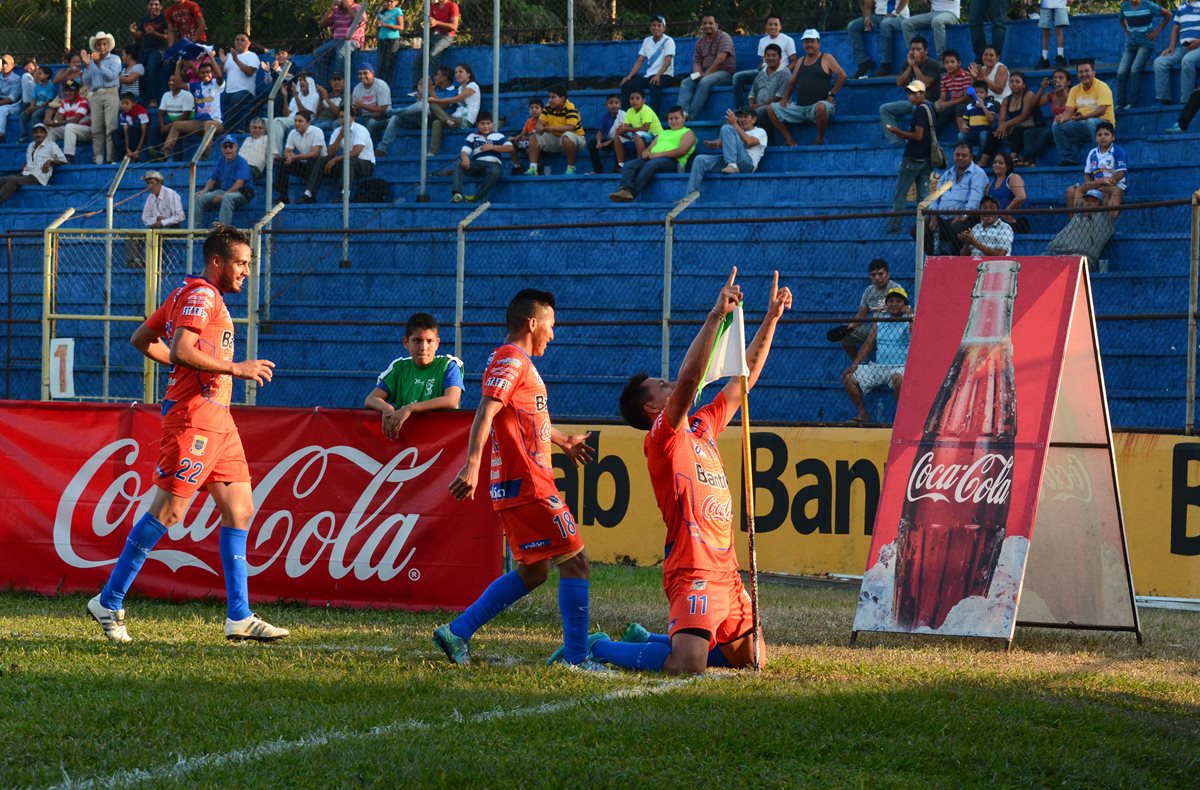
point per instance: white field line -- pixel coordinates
(186, 765)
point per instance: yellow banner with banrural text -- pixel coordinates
(816, 492)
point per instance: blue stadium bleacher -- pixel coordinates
(606, 271)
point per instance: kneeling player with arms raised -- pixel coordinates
(710, 614)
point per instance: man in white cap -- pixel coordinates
(816, 80)
(10, 92)
(41, 157)
(101, 76)
(163, 209)
(915, 166)
(228, 188)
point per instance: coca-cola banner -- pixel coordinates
(342, 515)
(969, 445)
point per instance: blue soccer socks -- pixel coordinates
(499, 595)
(233, 562)
(146, 532)
(573, 605)
(649, 656)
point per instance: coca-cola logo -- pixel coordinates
(717, 510)
(987, 479)
(1067, 481)
(366, 538)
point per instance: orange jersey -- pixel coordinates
(195, 398)
(520, 463)
(692, 490)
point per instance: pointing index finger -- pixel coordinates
(732, 276)
(775, 284)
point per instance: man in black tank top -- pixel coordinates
(816, 79)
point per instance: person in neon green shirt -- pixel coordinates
(641, 124)
(669, 154)
(423, 381)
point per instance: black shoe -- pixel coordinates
(885, 70)
(864, 69)
(1043, 63)
(1060, 62)
(518, 170)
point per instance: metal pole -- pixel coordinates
(460, 275)
(108, 245)
(496, 62)
(153, 267)
(571, 43)
(270, 174)
(67, 34)
(668, 268)
(347, 122)
(1193, 287)
(209, 131)
(253, 296)
(422, 194)
(247, 18)
(49, 259)
(919, 235)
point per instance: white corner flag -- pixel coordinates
(728, 355)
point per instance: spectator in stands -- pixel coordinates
(774, 36)
(607, 136)
(657, 54)
(240, 67)
(978, 118)
(72, 120)
(10, 93)
(163, 207)
(1018, 113)
(371, 100)
(329, 116)
(920, 67)
(256, 148)
(28, 80)
(1088, 103)
(1183, 50)
(1137, 18)
(742, 146)
(1189, 112)
(1053, 91)
(444, 18)
(713, 63)
(101, 72)
(941, 14)
(362, 157)
(978, 11)
(669, 154)
(304, 97)
(955, 81)
(521, 139)
(176, 104)
(327, 58)
(886, 15)
(853, 335)
(129, 80)
(185, 20)
(770, 84)
(641, 124)
(1085, 233)
(206, 112)
(558, 129)
(480, 158)
(302, 153)
(993, 72)
(1053, 14)
(1104, 169)
(41, 157)
(915, 167)
(134, 121)
(150, 39)
(990, 236)
(422, 381)
(889, 340)
(969, 183)
(228, 188)
(72, 71)
(816, 79)
(38, 106)
(1008, 190)
(391, 24)
(410, 115)
(465, 106)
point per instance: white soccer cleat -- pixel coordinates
(253, 627)
(112, 621)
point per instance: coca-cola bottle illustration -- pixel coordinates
(956, 502)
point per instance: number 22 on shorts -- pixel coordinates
(189, 471)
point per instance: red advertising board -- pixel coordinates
(342, 515)
(970, 445)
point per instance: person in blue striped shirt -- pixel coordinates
(1137, 18)
(1183, 50)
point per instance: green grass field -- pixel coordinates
(363, 698)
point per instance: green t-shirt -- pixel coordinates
(636, 118)
(668, 140)
(405, 383)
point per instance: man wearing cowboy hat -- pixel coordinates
(101, 75)
(41, 157)
(163, 209)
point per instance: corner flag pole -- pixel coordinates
(748, 477)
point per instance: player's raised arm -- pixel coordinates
(463, 484)
(688, 381)
(184, 352)
(760, 346)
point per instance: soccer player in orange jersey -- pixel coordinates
(193, 333)
(710, 621)
(537, 523)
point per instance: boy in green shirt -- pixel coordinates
(423, 381)
(641, 123)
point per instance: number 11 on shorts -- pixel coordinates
(695, 601)
(565, 523)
